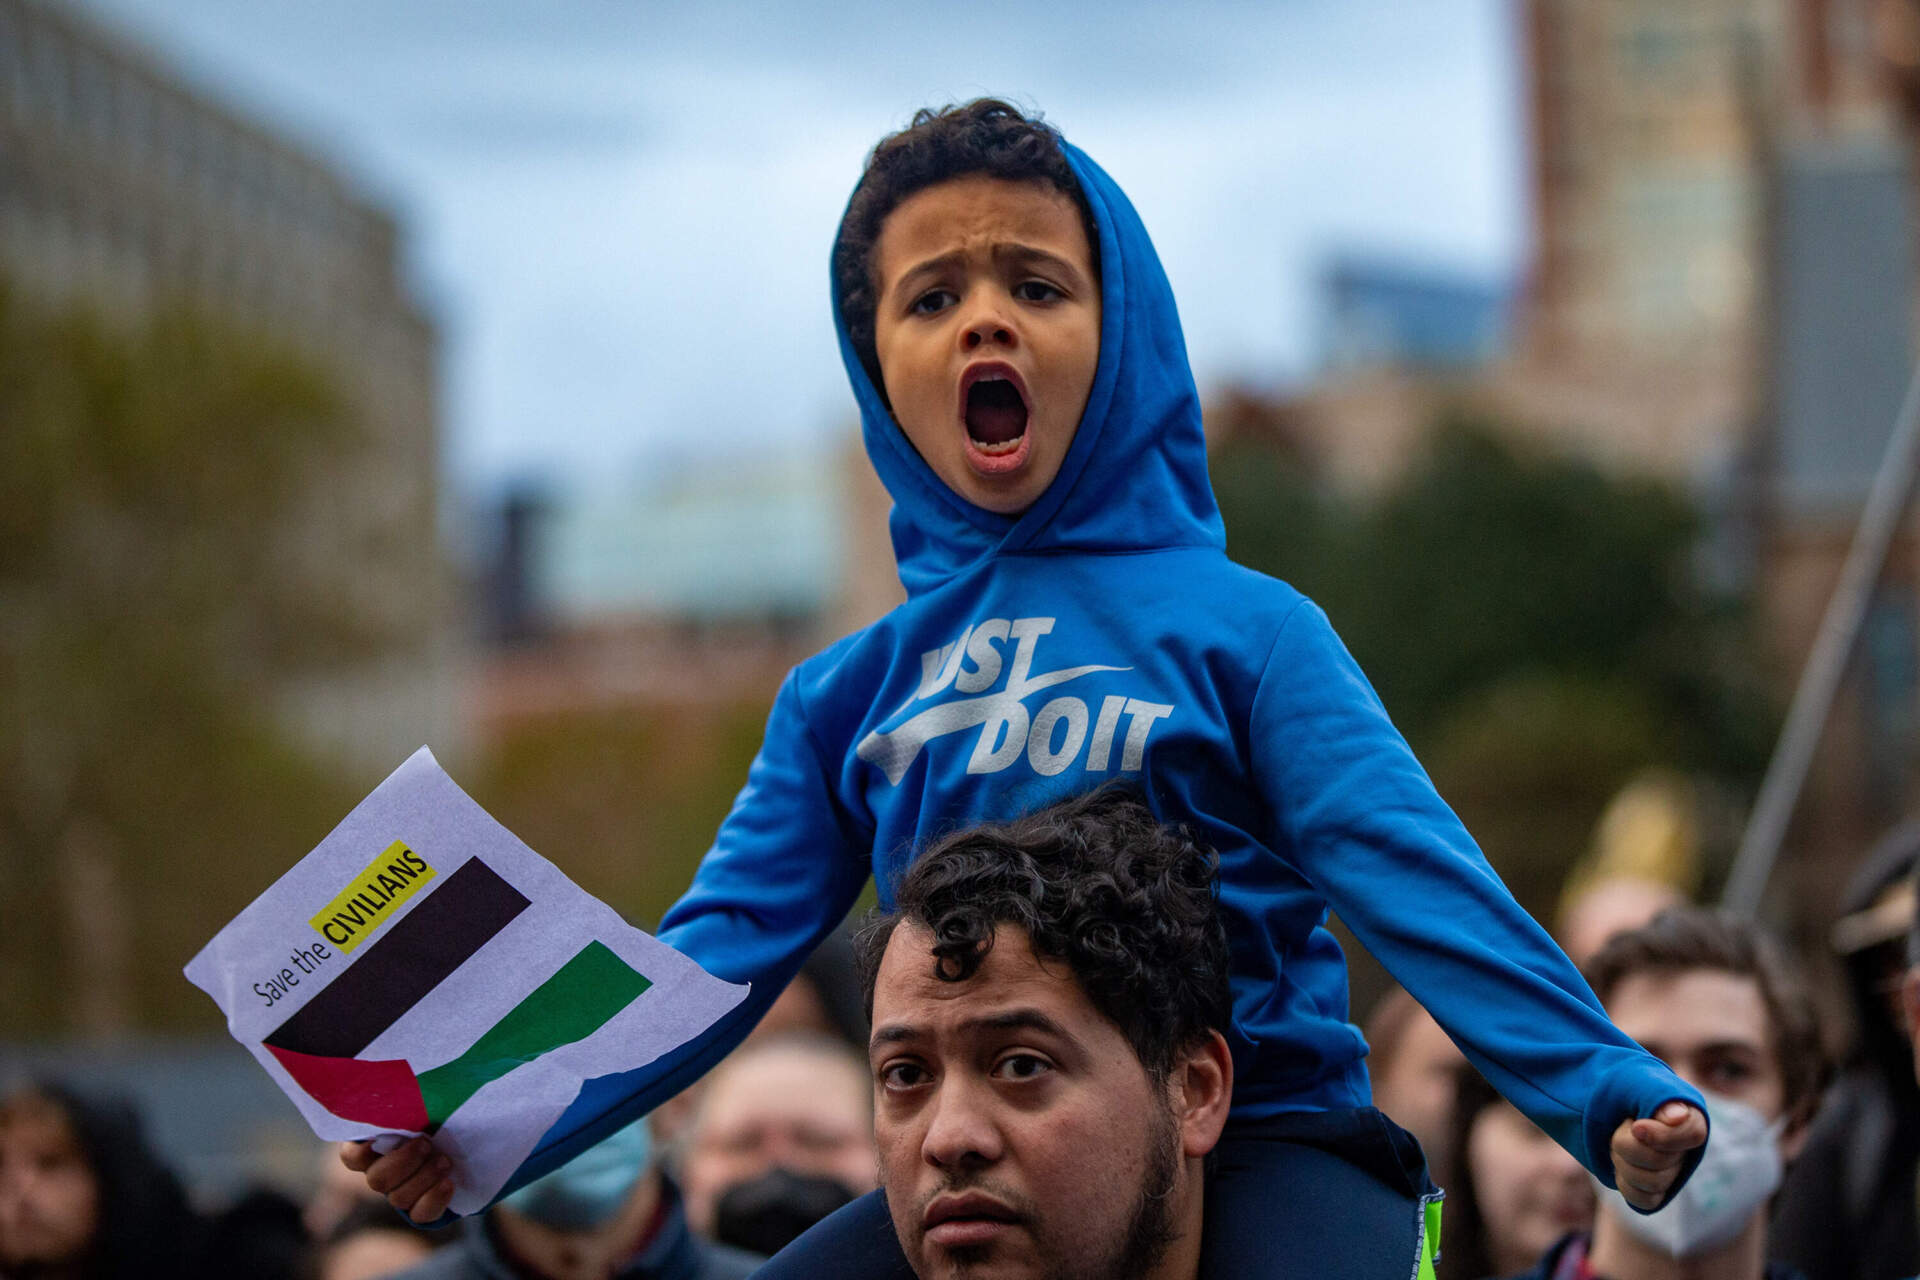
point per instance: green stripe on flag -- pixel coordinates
(571, 1005)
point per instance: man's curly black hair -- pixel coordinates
(985, 136)
(1098, 883)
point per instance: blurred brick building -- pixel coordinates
(123, 185)
(1722, 291)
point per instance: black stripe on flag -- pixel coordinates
(394, 973)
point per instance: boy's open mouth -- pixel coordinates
(994, 407)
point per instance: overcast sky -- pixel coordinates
(619, 212)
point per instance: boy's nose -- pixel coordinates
(987, 325)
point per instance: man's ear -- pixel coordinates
(1202, 1087)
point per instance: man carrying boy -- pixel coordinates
(1049, 1068)
(1072, 618)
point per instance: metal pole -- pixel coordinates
(1820, 679)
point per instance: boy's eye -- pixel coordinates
(1021, 1066)
(1036, 291)
(931, 301)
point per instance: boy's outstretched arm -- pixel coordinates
(1363, 822)
(1649, 1153)
(413, 1177)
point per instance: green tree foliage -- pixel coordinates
(147, 476)
(627, 799)
(1533, 625)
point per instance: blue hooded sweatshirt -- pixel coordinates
(1103, 634)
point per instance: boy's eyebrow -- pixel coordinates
(1011, 249)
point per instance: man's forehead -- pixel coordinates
(1010, 975)
(1691, 1007)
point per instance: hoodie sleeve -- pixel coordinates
(783, 871)
(1368, 829)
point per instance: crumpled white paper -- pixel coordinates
(511, 987)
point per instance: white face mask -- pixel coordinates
(1739, 1171)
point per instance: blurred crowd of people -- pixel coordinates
(775, 1139)
(1812, 1171)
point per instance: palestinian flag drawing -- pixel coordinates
(422, 971)
(319, 1045)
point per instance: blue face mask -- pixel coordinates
(589, 1189)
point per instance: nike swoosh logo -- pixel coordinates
(894, 752)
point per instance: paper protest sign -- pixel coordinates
(423, 971)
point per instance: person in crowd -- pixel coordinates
(782, 1135)
(823, 999)
(84, 1197)
(610, 1213)
(1847, 1209)
(1604, 907)
(1716, 997)
(1413, 1063)
(369, 1242)
(1049, 1058)
(1071, 618)
(1514, 1192)
(1644, 857)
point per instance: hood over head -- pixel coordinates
(1135, 477)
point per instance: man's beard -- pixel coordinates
(1150, 1230)
(1150, 1226)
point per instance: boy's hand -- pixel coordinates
(1648, 1153)
(413, 1176)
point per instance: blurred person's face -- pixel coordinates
(1530, 1191)
(1415, 1086)
(1019, 1134)
(1712, 1028)
(49, 1197)
(789, 1107)
(987, 329)
(369, 1255)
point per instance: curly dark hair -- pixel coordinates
(1096, 882)
(985, 136)
(1683, 938)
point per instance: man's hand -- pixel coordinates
(413, 1176)
(1648, 1153)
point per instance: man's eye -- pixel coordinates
(902, 1075)
(1021, 1066)
(933, 300)
(1730, 1072)
(1036, 291)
